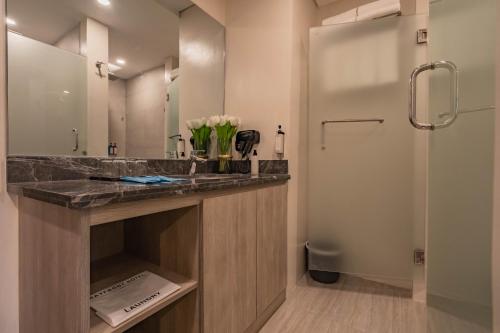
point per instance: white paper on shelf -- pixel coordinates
(123, 300)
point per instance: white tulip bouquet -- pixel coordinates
(201, 133)
(226, 128)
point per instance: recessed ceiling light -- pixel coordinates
(104, 2)
(120, 61)
(10, 21)
(66, 92)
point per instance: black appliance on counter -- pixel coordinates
(245, 140)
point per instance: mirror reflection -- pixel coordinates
(110, 78)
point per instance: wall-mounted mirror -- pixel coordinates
(110, 77)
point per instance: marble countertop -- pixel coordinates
(81, 194)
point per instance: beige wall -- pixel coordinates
(305, 15)
(117, 114)
(9, 313)
(266, 85)
(215, 8)
(145, 114)
(70, 41)
(258, 67)
(409, 7)
(339, 7)
(201, 68)
(94, 45)
(496, 195)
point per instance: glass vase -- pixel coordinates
(200, 149)
(225, 158)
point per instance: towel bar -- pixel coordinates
(324, 122)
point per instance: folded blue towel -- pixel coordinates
(151, 179)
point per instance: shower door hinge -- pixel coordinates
(419, 257)
(422, 36)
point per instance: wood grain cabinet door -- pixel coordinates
(271, 244)
(229, 262)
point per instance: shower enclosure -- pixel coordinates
(382, 187)
(47, 99)
(460, 182)
(361, 147)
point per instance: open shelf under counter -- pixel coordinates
(108, 271)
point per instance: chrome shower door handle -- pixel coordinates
(75, 133)
(453, 70)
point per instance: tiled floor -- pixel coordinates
(354, 305)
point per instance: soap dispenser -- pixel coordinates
(181, 147)
(279, 144)
(254, 164)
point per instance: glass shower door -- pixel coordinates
(47, 99)
(461, 32)
(361, 149)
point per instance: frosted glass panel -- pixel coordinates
(172, 117)
(46, 97)
(461, 161)
(361, 185)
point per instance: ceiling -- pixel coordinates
(175, 5)
(143, 32)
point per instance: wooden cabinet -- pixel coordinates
(232, 278)
(229, 262)
(271, 245)
(244, 259)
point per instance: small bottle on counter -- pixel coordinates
(110, 149)
(254, 164)
(181, 147)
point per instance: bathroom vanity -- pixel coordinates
(222, 240)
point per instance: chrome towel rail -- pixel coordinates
(324, 122)
(372, 120)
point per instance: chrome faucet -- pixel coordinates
(194, 158)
